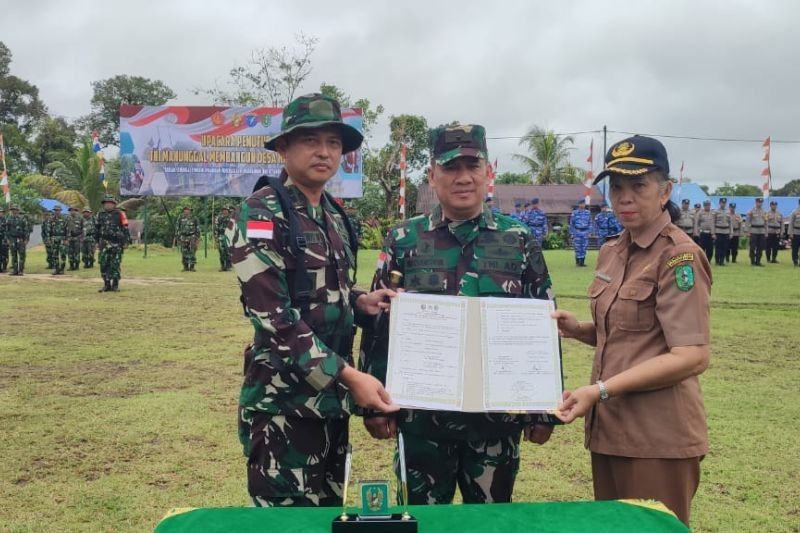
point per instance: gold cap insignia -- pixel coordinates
(623, 149)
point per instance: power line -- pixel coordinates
(694, 138)
(546, 134)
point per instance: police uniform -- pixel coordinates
(650, 294)
(723, 230)
(489, 255)
(704, 229)
(686, 222)
(736, 231)
(774, 230)
(794, 234)
(293, 408)
(757, 231)
(580, 225)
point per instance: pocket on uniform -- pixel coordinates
(636, 306)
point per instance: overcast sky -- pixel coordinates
(690, 68)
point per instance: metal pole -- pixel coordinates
(205, 229)
(144, 231)
(605, 149)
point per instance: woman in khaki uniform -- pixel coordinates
(645, 420)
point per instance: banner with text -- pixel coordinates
(211, 151)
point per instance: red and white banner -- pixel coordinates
(403, 166)
(587, 184)
(4, 174)
(767, 172)
(492, 176)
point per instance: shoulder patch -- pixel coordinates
(684, 277)
(686, 257)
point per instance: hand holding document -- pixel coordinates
(473, 354)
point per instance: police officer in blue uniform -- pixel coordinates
(580, 223)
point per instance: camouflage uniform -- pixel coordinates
(3, 242)
(188, 232)
(222, 222)
(580, 222)
(18, 230)
(537, 222)
(74, 236)
(57, 232)
(110, 228)
(48, 246)
(89, 238)
(490, 255)
(293, 409)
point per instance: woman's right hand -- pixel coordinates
(568, 325)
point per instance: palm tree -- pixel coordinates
(548, 157)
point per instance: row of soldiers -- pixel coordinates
(69, 237)
(717, 231)
(15, 232)
(187, 235)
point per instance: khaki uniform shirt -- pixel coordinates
(774, 223)
(723, 223)
(686, 223)
(704, 222)
(736, 224)
(649, 295)
(794, 222)
(756, 221)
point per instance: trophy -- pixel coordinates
(374, 515)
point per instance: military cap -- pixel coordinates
(535, 201)
(225, 208)
(773, 202)
(13, 207)
(527, 204)
(732, 205)
(706, 202)
(685, 201)
(723, 200)
(635, 156)
(109, 198)
(697, 205)
(57, 208)
(459, 140)
(87, 210)
(517, 204)
(759, 199)
(187, 208)
(604, 204)
(582, 201)
(73, 208)
(316, 111)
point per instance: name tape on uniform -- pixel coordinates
(680, 258)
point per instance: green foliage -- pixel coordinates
(20, 105)
(54, 141)
(555, 240)
(726, 189)
(110, 93)
(547, 157)
(792, 188)
(376, 231)
(513, 178)
(370, 115)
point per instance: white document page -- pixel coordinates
(426, 351)
(521, 362)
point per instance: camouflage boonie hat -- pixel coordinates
(316, 111)
(73, 208)
(450, 142)
(87, 210)
(13, 207)
(109, 198)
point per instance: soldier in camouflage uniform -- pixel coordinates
(57, 232)
(220, 224)
(110, 228)
(460, 249)
(89, 240)
(3, 242)
(74, 236)
(295, 401)
(188, 233)
(48, 246)
(18, 231)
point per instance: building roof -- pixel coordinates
(553, 199)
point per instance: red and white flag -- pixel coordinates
(680, 179)
(767, 172)
(4, 173)
(259, 229)
(587, 184)
(403, 165)
(492, 176)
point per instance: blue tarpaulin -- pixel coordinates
(49, 204)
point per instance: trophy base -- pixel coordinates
(356, 524)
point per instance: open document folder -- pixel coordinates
(458, 353)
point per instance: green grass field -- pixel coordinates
(116, 407)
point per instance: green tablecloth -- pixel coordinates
(561, 517)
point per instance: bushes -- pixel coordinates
(374, 231)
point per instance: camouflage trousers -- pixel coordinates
(3, 255)
(16, 246)
(224, 254)
(110, 257)
(48, 248)
(295, 462)
(74, 252)
(484, 470)
(188, 249)
(58, 248)
(87, 252)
